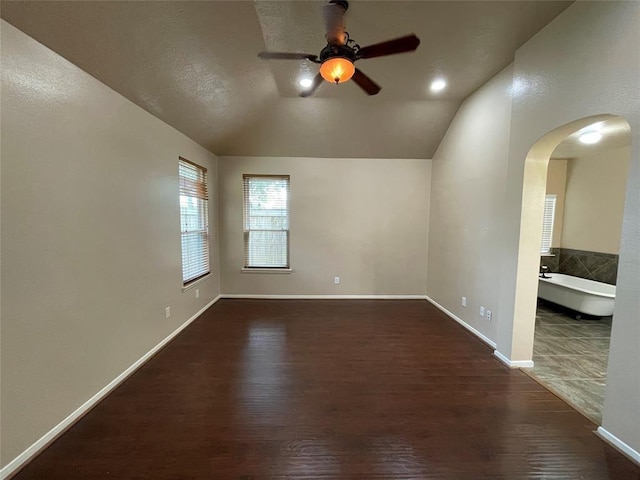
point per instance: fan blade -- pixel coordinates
(287, 56)
(390, 47)
(317, 80)
(365, 83)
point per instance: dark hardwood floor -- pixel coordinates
(329, 389)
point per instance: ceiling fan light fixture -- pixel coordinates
(337, 69)
(337, 58)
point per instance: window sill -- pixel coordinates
(266, 270)
(196, 282)
(547, 254)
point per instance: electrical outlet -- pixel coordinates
(197, 293)
(482, 311)
(464, 301)
(167, 312)
(336, 280)
(489, 314)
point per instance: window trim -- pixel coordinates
(548, 234)
(245, 233)
(265, 270)
(196, 280)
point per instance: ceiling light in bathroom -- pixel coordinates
(590, 138)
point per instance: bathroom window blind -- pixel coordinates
(547, 223)
(266, 221)
(194, 220)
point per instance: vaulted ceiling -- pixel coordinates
(194, 65)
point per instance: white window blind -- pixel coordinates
(266, 221)
(547, 223)
(194, 220)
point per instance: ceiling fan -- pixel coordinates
(338, 57)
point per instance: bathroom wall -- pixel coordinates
(557, 185)
(598, 266)
(589, 217)
(601, 267)
(594, 205)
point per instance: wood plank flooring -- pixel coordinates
(270, 389)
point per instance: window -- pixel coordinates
(194, 221)
(547, 224)
(266, 221)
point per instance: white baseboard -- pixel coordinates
(619, 445)
(17, 463)
(478, 334)
(485, 339)
(322, 297)
(513, 363)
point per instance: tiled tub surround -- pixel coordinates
(601, 267)
(570, 358)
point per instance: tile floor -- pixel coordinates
(570, 357)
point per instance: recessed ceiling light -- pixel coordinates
(590, 137)
(306, 82)
(438, 85)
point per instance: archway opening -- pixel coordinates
(573, 200)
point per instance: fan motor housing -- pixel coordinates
(343, 3)
(331, 51)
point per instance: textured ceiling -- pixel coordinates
(194, 65)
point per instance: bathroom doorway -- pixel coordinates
(583, 208)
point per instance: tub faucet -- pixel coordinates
(543, 271)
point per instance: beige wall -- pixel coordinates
(364, 220)
(90, 237)
(556, 83)
(467, 196)
(557, 185)
(67, 331)
(596, 187)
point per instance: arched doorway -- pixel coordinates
(614, 131)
